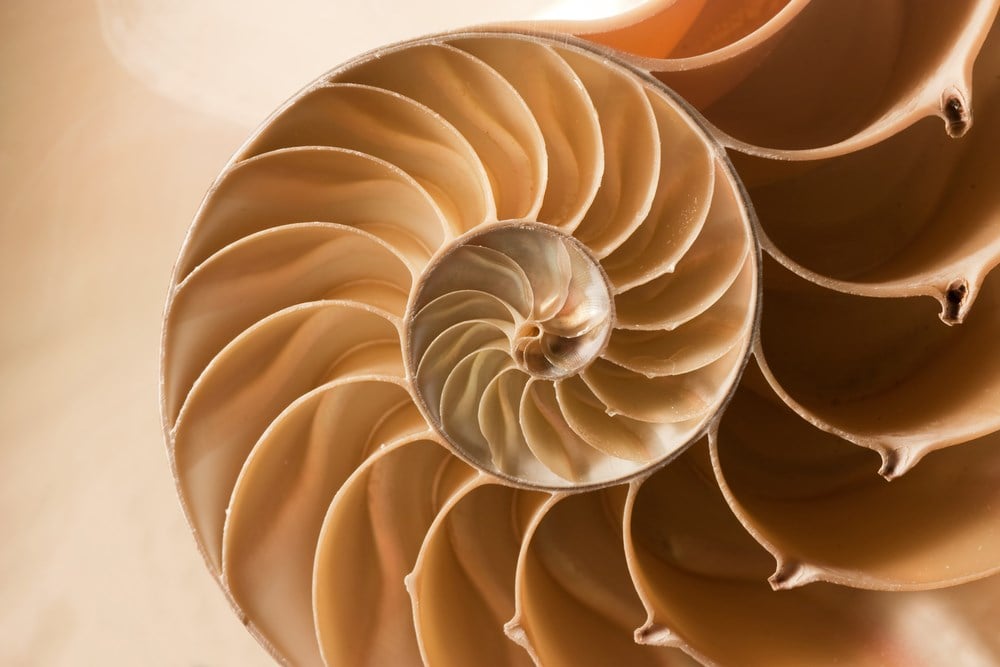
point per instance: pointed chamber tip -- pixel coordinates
(653, 633)
(897, 462)
(955, 304)
(956, 114)
(792, 574)
(516, 633)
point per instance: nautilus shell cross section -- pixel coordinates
(477, 352)
(509, 255)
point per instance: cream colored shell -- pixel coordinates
(472, 313)
(557, 269)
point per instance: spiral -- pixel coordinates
(578, 266)
(512, 247)
(453, 362)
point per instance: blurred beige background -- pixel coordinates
(115, 115)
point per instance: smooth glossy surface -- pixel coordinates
(579, 274)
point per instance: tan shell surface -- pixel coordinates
(558, 283)
(912, 215)
(471, 315)
(801, 79)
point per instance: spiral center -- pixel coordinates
(557, 298)
(550, 355)
(499, 309)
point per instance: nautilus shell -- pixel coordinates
(608, 343)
